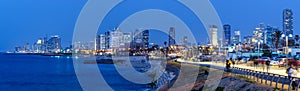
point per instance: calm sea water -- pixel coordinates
(43, 73)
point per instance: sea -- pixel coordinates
(52, 73)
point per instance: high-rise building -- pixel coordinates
(54, 44)
(140, 40)
(227, 35)
(116, 39)
(127, 38)
(172, 36)
(146, 38)
(237, 37)
(185, 41)
(288, 22)
(98, 42)
(268, 38)
(37, 47)
(213, 35)
(259, 33)
(102, 42)
(107, 40)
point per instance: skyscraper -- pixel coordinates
(259, 33)
(268, 38)
(98, 42)
(227, 34)
(213, 35)
(127, 39)
(288, 22)
(185, 41)
(140, 40)
(102, 42)
(237, 37)
(172, 36)
(146, 38)
(116, 39)
(54, 44)
(107, 40)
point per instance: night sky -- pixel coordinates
(25, 21)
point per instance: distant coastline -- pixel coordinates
(42, 54)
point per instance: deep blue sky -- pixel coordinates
(24, 21)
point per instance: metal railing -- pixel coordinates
(267, 78)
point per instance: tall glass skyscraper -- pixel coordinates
(213, 35)
(54, 44)
(268, 38)
(287, 22)
(237, 37)
(227, 34)
(146, 38)
(172, 36)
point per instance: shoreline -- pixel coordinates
(41, 54)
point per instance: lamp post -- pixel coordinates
(258, 44)
(286, 43)
(258, 48)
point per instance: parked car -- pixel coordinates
(265, 58)
(262, 60)
(245, 59)
(285, 61)
(275, 61)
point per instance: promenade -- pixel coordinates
(273, 69)
(278, 81)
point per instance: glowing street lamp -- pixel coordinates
(258, 43)
(286, 43)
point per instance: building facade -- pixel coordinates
(54, 44)
(227, 34)
(237, 37)
(288, 22)
(213, 35)
(172, 36)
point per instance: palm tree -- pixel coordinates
(276, 38)
(166, 50)
(165, 43)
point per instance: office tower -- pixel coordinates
(107, 40)
(146, 38)
(116, 39)
(237, 37)
(38, 46)
(268, 38)
(288, 22)
(98, 42)
(227, 34)
(259, 33)
(102, 42)
(213, 35)
(185, 41)
(140, 39)
(54, 44)
(137, 36)
(172, 36)
(127, 37)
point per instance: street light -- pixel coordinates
(286, 43)
(258, 43)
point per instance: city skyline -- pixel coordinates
(61, 22)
